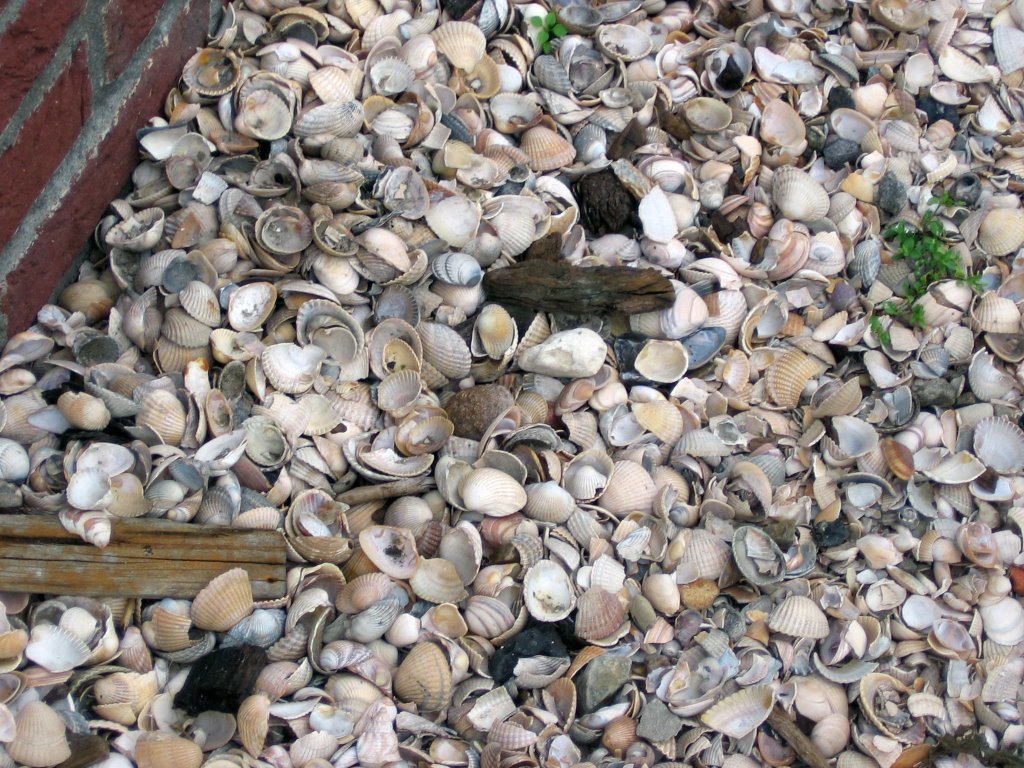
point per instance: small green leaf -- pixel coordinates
(537, 21)
(551, 19)
(560, 30)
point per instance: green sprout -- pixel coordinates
(550, 27)
(930, 260)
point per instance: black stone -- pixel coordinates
(830, 534)
(838, 152)
(538, 640)
(892, 194)
(606, 207)
(627, 347)
(936, 110)
(221, 680)
(967, 188)
(732, 76)
(840, 98)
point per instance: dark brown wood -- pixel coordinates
(560, 287)
(145, 558)
(790, 732)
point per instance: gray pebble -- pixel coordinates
(892, 194)
(657, 723)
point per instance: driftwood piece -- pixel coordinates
(559, 287)
(145, 558)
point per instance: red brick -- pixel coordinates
(27, 46)
(125, 25)
(43, 140)
(62, 236)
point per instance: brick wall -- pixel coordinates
(80, 77)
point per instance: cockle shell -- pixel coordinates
(223, 602)
(799, 617)
(159, 749)
(1002, 231)
(999, 443)
(424, 678)
(740, 713)
(798, 196)
(40, 737)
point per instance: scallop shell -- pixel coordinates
(599, 613)
(740, 713)
(160, 749)
(994, 314)
(199, 300)
(786, 378)
(225, 601)
(999, 443)
(424, 678)
(492, 492)
(548, 592)
(488, 616)
(437, 581)
(799, 616)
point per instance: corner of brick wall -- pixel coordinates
(81, 76)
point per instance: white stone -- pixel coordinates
(566, 354)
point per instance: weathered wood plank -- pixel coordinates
(554, 286)
(145, 558)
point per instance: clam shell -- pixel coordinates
(488, 616)
(290, 368)
(251, 305)
(424, 678)
(546, 149)
(548, 592)
(160, 749)
(437, 581)
(786, 378)
(546, 502)
(740, 713)
(225, 601)
(492, 492)
(999, 443)
(392, 550)
(623, 42)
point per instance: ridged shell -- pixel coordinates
(225, 601)
(786, 378)
(740, 713)
(290, 368)
(445, 349)
(254, 723)
(547, 150)
(492, 492)
(160, 749)
(40, 740)
(599, 613)
(799, 616)
(797, 196)
(999, 443)
(437, 581)
(199, 300)
(1002, 231)
(164, 414)
(461, 42)
(994, 314)
(546, 502)
(424, 678)
(83, 411)
(487, 616)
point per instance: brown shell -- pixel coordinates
(159, 749)
(785, 379)
(598, 614)
(224, 602)
(799, 616)
(424, 678)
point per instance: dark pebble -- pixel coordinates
(538, 640)
(840, 98)
(830, 534)
(892, 194)
(935, 393)
(221, 680)
(838, 152)
(606, 206)
(936, 110)
(472, 410)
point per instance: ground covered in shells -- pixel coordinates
(754, 498)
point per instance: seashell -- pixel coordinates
(1002, 231)
(707, 115)
(622, 42)
(491, 492)
(251, 305)
(599, 613)
(392, 550)
(786, 378)
(782, 126)
(424, 678)
(160, 749)
(547, 502)
(461, 42)
(290, 368)
(456, 269)
(797, 196)
(1008, 44)
(199, 300)
(40, 738)
(163, 413)
(225, 601)
(83, 411)
(254, 722)
(444, 349)
(740, 713)
(999, 444)
(437, 581)
(798, 616)
(546, 149)
(548, 592)
(758, 558)
(487, 616)
(728, 68)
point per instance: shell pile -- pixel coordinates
(770, 524)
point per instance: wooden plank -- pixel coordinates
(145, 558)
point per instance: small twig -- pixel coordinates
(792, 735)
(367, 493)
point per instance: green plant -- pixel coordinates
(549, 27)
(929, 260)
